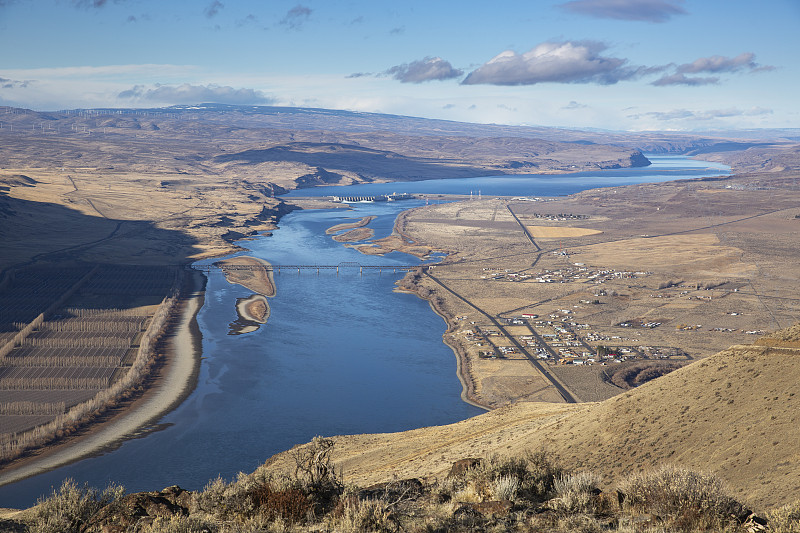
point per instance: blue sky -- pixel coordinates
(615, 64)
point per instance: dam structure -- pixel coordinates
(376, 198)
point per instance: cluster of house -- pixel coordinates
(556, 341)
(576, 273)
(638, 324)
(559, 216)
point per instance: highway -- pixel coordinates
(562, 390)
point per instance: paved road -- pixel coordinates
(566, 394)
(527, 233)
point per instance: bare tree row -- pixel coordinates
(58, 383)
(32, 408)
(69, 361)
(92, 342)
(12, 445)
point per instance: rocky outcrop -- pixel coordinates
(133, 511)
(639, 160)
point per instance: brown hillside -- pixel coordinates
(736, 414)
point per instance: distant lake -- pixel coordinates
(663, 168)
(339, 354)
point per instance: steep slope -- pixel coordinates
(735, 414)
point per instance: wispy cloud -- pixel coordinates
(713, 64)
(194, 94)
(713, 114)
(87, 4)
(212, 10)
(427, 69)
(6, 83)
(296, 17)
(574, 105)
(249, 20)
(682, 79)
(134, 18)
(557, 62)
(637, 10)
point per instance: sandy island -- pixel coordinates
(253, 308)
(173, 385)
(249, 272)
(350, 225)
(355, 235)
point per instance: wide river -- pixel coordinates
(340, 354)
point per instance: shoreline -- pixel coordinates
(463, 374)
(173, 383)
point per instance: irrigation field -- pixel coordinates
(67, 333)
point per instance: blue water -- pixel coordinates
(339, 354)
(663, 168)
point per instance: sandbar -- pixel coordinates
(253, 308)
(355, 235)
(350, 225)
(250, 272)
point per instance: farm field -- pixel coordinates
(78, 335)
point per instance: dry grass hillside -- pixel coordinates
(734, 414)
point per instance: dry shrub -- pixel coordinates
(313, 490)
(474, 491)
(70, 508)
(290, 504)
(683, 500)
(635, 374)
(313, 467)
(356, 516)
(505, 487)
(579, 523)
(577, 493)
(785, 519)
(540, 475)
(177, 524)
(530, 478)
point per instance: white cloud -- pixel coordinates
(428, 69)
(564, 62)
(194, 94)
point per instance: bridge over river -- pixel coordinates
(347, 266)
